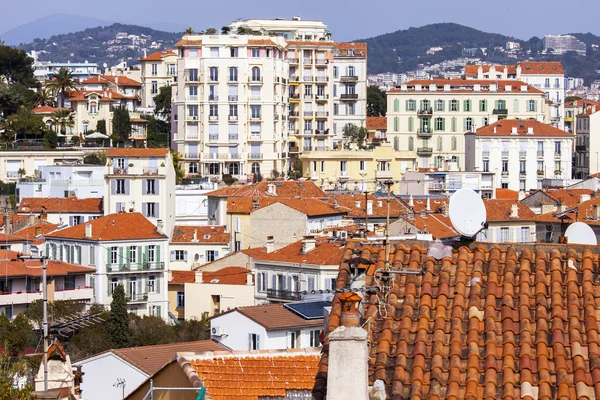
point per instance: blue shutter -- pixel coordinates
(127, 186)
(145, 186)
(172, 255)
(156, 186)
(113, 186)
(144, 209)
(185, 257)
(157, 209)
(71, 220)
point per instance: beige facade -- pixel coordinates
(213, 299)
(186, 256)
(158, 70)
(284, 224)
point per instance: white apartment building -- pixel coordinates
(125, 249)
(294, 29)
(192, 203)
(230, 105)
(429, 117)
(141, 180)
(79, 180)
(43, 70)
(158, 70)
(560, 44)
(542, 152)
(15, 165)
(587, 143)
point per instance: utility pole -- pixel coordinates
(389, 185)
(366, 214)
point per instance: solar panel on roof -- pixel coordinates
(308, 310)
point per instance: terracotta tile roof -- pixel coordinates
(310, 207)
(261, 42)
(122, 226)
(499, 210)
(188, 42)
(506, 194)
(117, 80)
(570, 197)
(159, 55)
(438, 225)
(377, 123)
(132, 152)
(505, 126)
(46, 110)
(103, 95)
(61, 205)
(309, 43)
(251, 253)
(325, 253)
(473, 70)
(11, 267)
(252, 375)
(585, 213)
(351, 46)
(301, 189)
(226, 276)
(181, 277)
(467, 86)
(150, 359)
(34, 231)
(541, 68)
(274, 317)
(204, 234)
(139, 120)
(347, 202)
(581, 103)
(492, 322)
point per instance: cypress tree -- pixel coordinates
(118, 322)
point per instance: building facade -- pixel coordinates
(157, 70)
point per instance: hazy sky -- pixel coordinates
(349, 19)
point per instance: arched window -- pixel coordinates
(255, 74)
(93, 107)
(411, 143)
(454, 143)
(213, 169)
(85, 126)
(255, 168)
(234, 169)
(214, 74)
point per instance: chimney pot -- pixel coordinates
(369, 207)
(88, 230)
(198, 276)
(514, 211)
(160, 226)
(308, 244)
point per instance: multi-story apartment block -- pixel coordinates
(587, 143)
(141, 180)
(43, 70)
(294, 29)
(158, 70)
(230, 105)
(546, 76)
(125, 249)
(429, 117)
(542, 152)
(560, 44)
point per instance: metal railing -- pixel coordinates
(255, 156)
(283, 294)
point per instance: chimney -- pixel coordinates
(117, 80)
(271, 189)
(379, 203)
(195, 238)
(530, 130)
(357, 204)
(508, 88)
(198, 278)
(369, 207)
(446, 87)
(513, 130)
(514, 211)
(428, 204)
(270, 244)
(160, 226)
(493, 87)
(348, 346)
(38, 231)
(523, 88)
(477, 87)
(88, 230)
(596, 212)
(411, 202)
(308, 244)
(521, 195)
(562, 207)
(249, 279)
(6, 223)
(584, 197)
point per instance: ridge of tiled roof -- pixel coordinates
(541, 68)
(137, 152)
(12, 267)
(189, 42)
(122, 80)
(499, 210)
(326, 252)
(274, 317)
(251, 252)
(157, 56)
(104, 95)
(61, 205)
(251, 375)
(46, 110)
(120, 226)
(495, 322)
(467, 85)
(181, 277)
(505, 127)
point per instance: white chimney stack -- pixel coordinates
(514, 211)
(369, 207)
(357, 204)
(530, 130)
(308, 244)
(195, 238)
(271, 189)
(88, 230)
(270, 244)
(249, 279)
(584, 197)
(160, 226)
(198, 275)
(348, 347)
(513, 130)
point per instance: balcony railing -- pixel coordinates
(540, 154)
(522, 154)
(307, 78)
(581, 147)
(294, 78)
(425, 151)
(213, 137)
(557, 156)
(293, 60)
(256, 156)
(213, 117)
(255, 79)
(233, 137)
(233, 117)
(349, 78)
(424, 133)
(308, 131)
(425, 111)
(294, 114)
(307, 60)
(321, 62)
(232, 98)
(283, 295)
(294, 149)
(500, 111)
(349, 96)
(505, 174)
(308, 114)
(254, 135)
(192, 155)
(192, 98)
(147, 266)
(384, 175)
(150, 170)
(321, 132)
(294, 96)
(213, 98)
(322, 114)
(119, 171)
(322, 78)
(504, 154)
(322, 97)
(486, 154)
(136, 297)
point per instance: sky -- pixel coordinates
(348, 19)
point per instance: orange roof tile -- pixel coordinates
(261, 42)
(325, 253)
(5, 239)
(467, 86)
(377, 123)
(541, 68)
(46, 110)
(570, 197)
(300, 189)
(188, 42)
(133, 152)
(61, 205)
(310, 207)
(505, 127)
(485, 321)
(499, 210)
(181, 277)
(351, 46)
(122, 226)
(274, 317)
(117, 80)
(159, 55)
(348, 202)
(103, 95)
(252, 375)
(34, 231)
(506, 194)
(473, 70)
(203, 234)
(227, 276)
(12, 267)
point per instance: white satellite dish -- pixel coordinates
(581, 233)
(467, 212)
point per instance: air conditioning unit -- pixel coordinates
(216, 331)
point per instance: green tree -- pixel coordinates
(101, 126)
(44, 97)
(63, 119)
(61, 81)
(193, 329)
(157, 131)
(150, 331)
(16, 67)
(570, 99)
(18, 335)
(89, 341)
(97, 158)
(121, 125)
(376, 102)
(162, 103)
(354, 134)
(10, 369)
(22, 125)
(57, 310)
(179, 172)
(188, 31)
(51, 139)
(118, 321)
(296, 172)
(97, 308)
(13, 97)
(211, 31)
(225, 30)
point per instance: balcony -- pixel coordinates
(540, 173)
(307, 148)
(322, 79)
(322, 98)
(191, 98)
(322, 148)
(349, 96)
(581, 147)
(136, 297)
(500, 111)
(286, 295)
(294, 149)
(522, 174)
(192, 156)
(213, 117)
(254, 136)
(424, 133)
(232, 118)
(235, 156)
(384, 175)
(77, 293)
(522, 155)
(322, 114)
(192, 118)
(321, 62)
(255, 80)
(120, 171)
(342, 174)
(255, 118)
(233, 136)
(255, 98)
(137, 136)
(485, 154)
(308, 132)
(308, 78)
(504, 154)
(213, 98)
(135, 267)
(233, 79)
(213, 137)
(349, 78)
(294, 79)
(425, 111)
(307, 60)
(424, 151)
(294, 114)
(232, 98)
(505, 174)
(294, 97)
(255, 156)
(150, 171)
(540, 154)
(293, 60)
(321, 132)
(557, 156)
(308, 114)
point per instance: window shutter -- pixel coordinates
(113, 186)
(140, 290)
(79, 255)
(396, 105)
(145, 209)
(458, 160)
(453, 124)
(127, 186)
(216, 254)
(120, 261)
(396, 124)
(47, 250)
(145, 254)
(185, 257)
(406, 105)
(443, 105)
(443, 124)
(410, 124)
(157, 285)
(465, 124)
(127, 258)
(71, 219)
(156, 186)
(72, 259)
(157, 210)
(158, 253)
(257, 342)
(274, 282)
(172, 255)
(420, 104)
(145, 186)
(249, 341)
(107, 256)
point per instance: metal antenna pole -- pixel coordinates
(45, 321)
(389, 185)
(366, 214)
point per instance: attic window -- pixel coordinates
(254, 204)
(214, 281)
(206, 237)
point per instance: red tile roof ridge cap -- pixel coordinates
(269, 353)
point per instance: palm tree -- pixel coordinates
(63, 119)
(44, 97)
(225, 30)
(61, 81)
(188, 31)
(211, 31)
(242, 30)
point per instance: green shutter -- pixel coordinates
(79, 255)
(443, 105)
(107, 257)
(396, 124)
(146, 254)
(157, 254)
(139, 255)
(457, 105)
(396, 105)
(120, 262)
(127, 257)
(406, 105)
(410, 124)
(420, 104)
(443, 124)
(453, 124)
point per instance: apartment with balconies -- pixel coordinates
(587, 143)
(542, 151)
(230, 106)
(141, 180)
(158, 70)
(125, 249)
(429, 117)
(290, 29)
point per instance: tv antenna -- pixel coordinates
(581, 233)
(467, 212)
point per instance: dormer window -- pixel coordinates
(255, 204)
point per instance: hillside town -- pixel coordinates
(250, 214)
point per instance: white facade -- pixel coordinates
(233, 330)
(554, 86)
(43, 70)
(81, 181)
(31, 161)
(294, 29)
(192, 203)
(560, 44)
(158, 70)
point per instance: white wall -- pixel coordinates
(320, 223)
(236, 329)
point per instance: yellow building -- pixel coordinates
(356, 169)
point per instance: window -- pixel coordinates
(255, 111)
(503, 235)
(504, 166)
(233, 74)
(294, 340)
(439, 105)
(501, 105)
(411, 105)
(253, 341)
(467, 105)
(531, 106)
(193, 168)
(411, 144)
(154, 88)
(213, 110)
(152, 253)
(522, 166)
(336, 72)
(362, 165)
(255, 168)
(262, 281)
(557, 148)
(439, 143)
(255, 74)
(214, 74)
(482, 105)
(522, 185)
(524, 235)
(180, 255)
(69, 282)
(91, 252)
(214, 52)
(151, 210)
(439, 124)
(454, 143)
(233, 52)
(322, 166)
(193, 75)
(255, 53)
(120, 186)
(180, 299)
(114, 282)
(151, 284)
(453, 105)
(486, 165)
(468, 124)
(150, 186)
(154, 68)
(211, 255)
(114, 258)
(120, 206)
(133, 254)
(233, 110)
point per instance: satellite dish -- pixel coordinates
(467, 212)
(581, 233)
